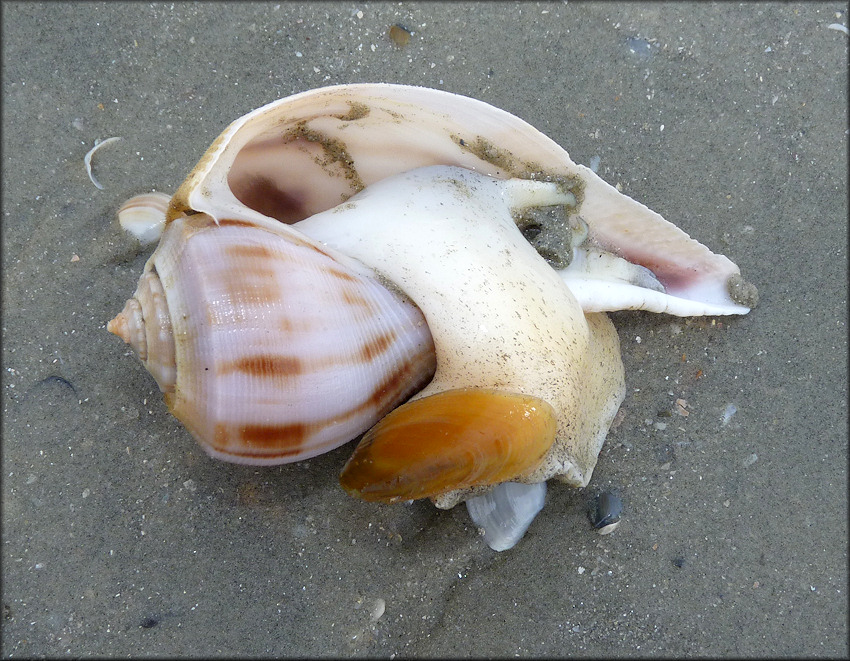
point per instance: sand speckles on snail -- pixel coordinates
(414, 265)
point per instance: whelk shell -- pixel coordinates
(377, 227)
(267, 348)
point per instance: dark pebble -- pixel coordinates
(607, 510)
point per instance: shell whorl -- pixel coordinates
(145, 324)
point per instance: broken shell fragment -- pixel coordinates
(605, 515)
(399, 34)
(506, 512)
(87, 159)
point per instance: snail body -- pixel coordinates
(341, 251)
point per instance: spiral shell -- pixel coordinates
(268, 349)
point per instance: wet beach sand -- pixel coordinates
(122, 538)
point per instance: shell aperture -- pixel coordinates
(297, 156)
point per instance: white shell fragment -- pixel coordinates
(728, 413)
(506, 512)
(91, 152)
(609, 528)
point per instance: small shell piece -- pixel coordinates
(454, 439)
(279, 351)
(605, 514)
(506, 512)
(87, 159)
(144, 216)
(399, 34)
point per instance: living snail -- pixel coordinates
(359, 258)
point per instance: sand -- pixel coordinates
(121, 538)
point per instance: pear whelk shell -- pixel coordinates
(499, 299)
(278, 352)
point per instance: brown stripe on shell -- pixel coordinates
(351, 297)
(289, 440)
(394, 384)
(260, 441)
(256, 285)
(250, 251)
(342, 275)
(274, 436)
(377, 346)
(266, 365)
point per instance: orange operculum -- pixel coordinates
(451, 440)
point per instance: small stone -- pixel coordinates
(148, 622)
(605, 513)
(399, 34)
(378, 609)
